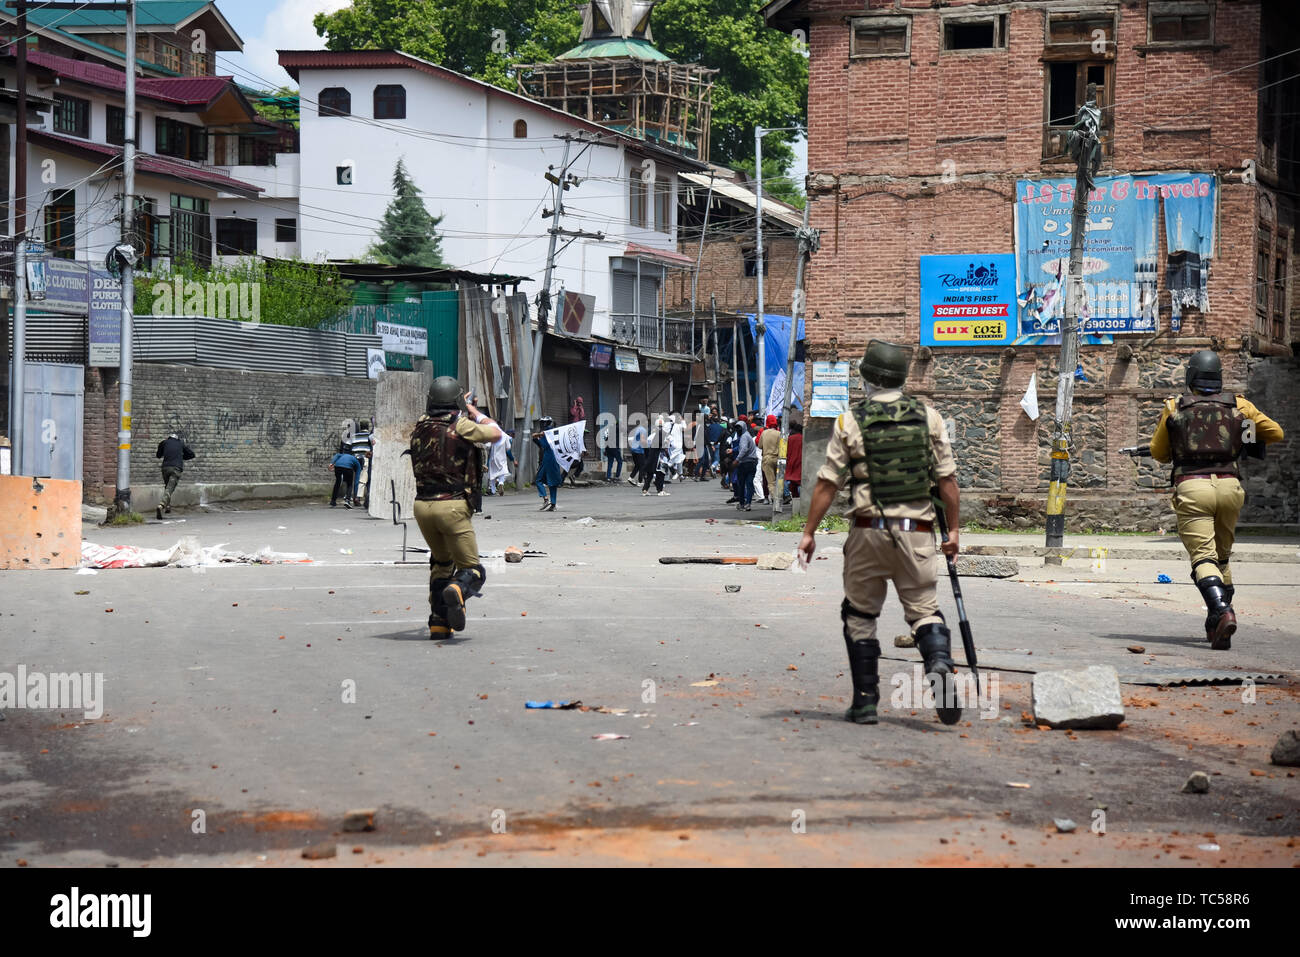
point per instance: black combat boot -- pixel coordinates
(863, 660)
(1221, 623)
(864, 655)
(438, 627)
(464, 585)
(934, 642)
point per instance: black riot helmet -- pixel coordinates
(1205, 372)
(884, 364)
(444, 393)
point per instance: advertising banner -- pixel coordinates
(1120, 255)
(104, 326)
(968, 300)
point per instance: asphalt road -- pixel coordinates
(228, 691)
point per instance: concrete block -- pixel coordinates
(1087, 698)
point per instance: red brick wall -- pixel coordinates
(882, 133)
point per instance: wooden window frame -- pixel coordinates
(60, 224)
(855, 23)
(114, 134)
(1166, 8)
(1000, 31)
(324, 109)
(521, 129)
(80, 116)
(1105, 100)
(1079, 49)
(390, 101)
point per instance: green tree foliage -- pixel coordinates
(280, 104)
(408, 233)
(290, 292)
(763, 78)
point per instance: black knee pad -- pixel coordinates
(846, 609)
(1203, 561)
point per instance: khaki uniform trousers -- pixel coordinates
(448, 529)
(769, 477)
(1207, 510)
(875, 556)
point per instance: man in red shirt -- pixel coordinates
(793, 461)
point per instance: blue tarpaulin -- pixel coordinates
(776, 345)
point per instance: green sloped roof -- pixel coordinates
(632, 48)
(148, 13)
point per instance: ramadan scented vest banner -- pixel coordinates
(968, 300)
(1120, 253)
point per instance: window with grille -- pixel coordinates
(191, 229)
(390, 102)
(521, 129)
(72, 116)
(60, 224)
(880, 36)
(198, 64)
(335, 101)
(167, 55)
(256, 151)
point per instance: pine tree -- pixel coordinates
(408, 234)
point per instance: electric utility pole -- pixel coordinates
(809, 242)
(760, 323)
(122, 497)
(559, 184)
(1085, 149)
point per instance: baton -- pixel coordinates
(967, 639)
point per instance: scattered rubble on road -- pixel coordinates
(1198, 782)
(1287, 750)
(186, 553)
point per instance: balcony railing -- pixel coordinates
(672, 336)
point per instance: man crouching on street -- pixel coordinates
(891, 450)
(448, 468)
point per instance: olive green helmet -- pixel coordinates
(884, 364)
(444, 393)
(1205, 371)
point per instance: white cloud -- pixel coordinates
(288, 27)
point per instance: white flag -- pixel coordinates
(776, 395)
(567, 443)
(1030, 401)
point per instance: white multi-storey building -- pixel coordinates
(479, 155)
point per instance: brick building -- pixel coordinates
(923, 120)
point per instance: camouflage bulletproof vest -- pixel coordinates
(1205, 434)
(446, 466)
(899, 459)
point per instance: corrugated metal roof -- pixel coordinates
(183, 90)
(772, 209)
(149, 163)
(615, 48)
(638, 251)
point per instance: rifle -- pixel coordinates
(967, 639)
(1137, 451)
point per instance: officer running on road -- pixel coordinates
(448, 470)
(891, 473)
(1204, 432)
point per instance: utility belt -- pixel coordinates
(446, 493)
(899, 524)
(1205, 475)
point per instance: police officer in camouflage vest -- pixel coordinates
(1204, 433)
(448, 468)
(891, 450)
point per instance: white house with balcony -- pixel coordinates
(479, 155)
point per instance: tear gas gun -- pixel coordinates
(1137, 451)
